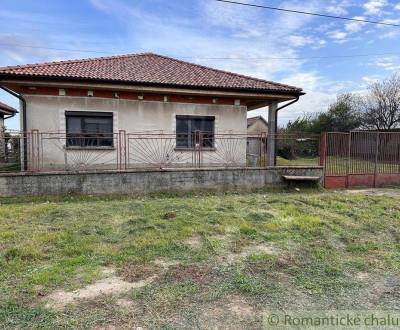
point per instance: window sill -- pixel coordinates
(90, 148)
(193, 149)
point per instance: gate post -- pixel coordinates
(323, 152)
(322, 149)
(272, 134)
(121, 154)
(376, 158)
(34, 161)
(197, 144)
(262, 142)
(348, 159)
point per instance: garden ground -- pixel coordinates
(195, 261)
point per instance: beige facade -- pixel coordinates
(143, 121)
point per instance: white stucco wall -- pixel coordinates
(47, 114)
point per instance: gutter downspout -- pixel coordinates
(23, 101)
(276, 119)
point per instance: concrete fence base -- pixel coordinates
(23, 184)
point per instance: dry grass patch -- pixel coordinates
(109, 285)
(267, 248)
(194, 242)
(196, 273)
(134, 272)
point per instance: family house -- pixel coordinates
(140, 109)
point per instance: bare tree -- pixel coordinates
(381, 105)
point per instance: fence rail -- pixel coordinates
(37, 151)
(361, 158)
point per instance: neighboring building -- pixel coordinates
(257, 130)
(86, 103)
(6, 148)
(6, 112)
(257, 125)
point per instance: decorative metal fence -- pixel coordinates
(37, 151)
(10, 151)
(361, 158)
(297, 149)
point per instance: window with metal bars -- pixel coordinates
(192, 130)
(89, 129)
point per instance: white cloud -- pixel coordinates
(312, 102)
(299, 40)
(371, 79)
(244, 25)
(374, 7)
(336, 10)
(307, 80)
(320, 92)
(339, 7)
(389, 63)
(390, 35)
(391, 21)
(397, 7)
(353, 27)
(221, 32)
(319, 44)
(337, 35)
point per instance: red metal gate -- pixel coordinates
(361, 159)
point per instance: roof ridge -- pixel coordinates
(226, 71)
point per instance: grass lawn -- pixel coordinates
(299, 161)
(199, 261)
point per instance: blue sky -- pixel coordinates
(195, 30)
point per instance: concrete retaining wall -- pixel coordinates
(21, 184)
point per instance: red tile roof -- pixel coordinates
(149, 69)
(6, 109)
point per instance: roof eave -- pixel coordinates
(294, 92)
(8, 112)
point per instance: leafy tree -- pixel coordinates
(343, 115)
(301, 124)
(381, 105)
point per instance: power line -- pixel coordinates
(308, 13)
(52, 48)
(247, 58)
(292, 58)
